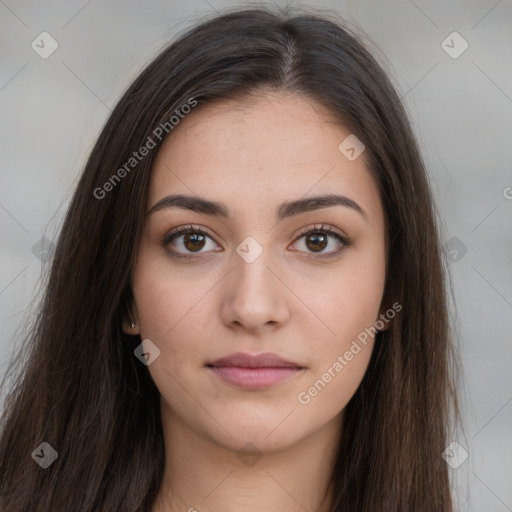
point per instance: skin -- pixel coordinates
(253, 155)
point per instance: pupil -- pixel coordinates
(195, 239)
(316, 237)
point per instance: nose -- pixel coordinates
(254, 297)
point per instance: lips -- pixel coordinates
(243, 360)
(253, 372)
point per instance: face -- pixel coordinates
(249, 275)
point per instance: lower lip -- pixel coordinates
(254, 378)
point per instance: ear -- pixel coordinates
(385, 319)
(382, 323)
(128, 320)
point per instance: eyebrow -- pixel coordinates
(284, 210)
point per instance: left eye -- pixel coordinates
(194, 239)
(318, 240)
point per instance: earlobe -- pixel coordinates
(129, 325)
(383, 322)
(385, 328)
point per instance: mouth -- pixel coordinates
(250, 372)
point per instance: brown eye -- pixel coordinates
(317, 242)
(185, 241)
(193, 242)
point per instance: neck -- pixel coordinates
(204, 476)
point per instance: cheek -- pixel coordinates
(348, 308)
(165, 290)
(172, 315)
(170, 307)
(325, 396)
(346, 303)
(342, 354)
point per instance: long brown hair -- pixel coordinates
(81, 389)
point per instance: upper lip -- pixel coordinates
(265, 360)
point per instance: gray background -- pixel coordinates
(52, 110)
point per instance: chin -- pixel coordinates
(272, 432)
(257, 439)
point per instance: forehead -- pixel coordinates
(259, 151)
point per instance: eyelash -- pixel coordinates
(322, 229)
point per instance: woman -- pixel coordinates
(246, 309)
